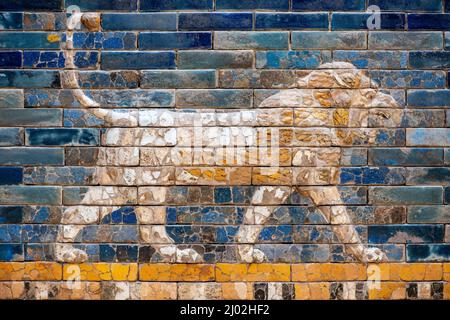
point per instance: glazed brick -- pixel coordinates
(358, 21)
(405, 5)
(291, 59)
(62, 137)
(374, 59)
(11, 175)
(23, 5)
(338, 5)
(328, 40)
(103, 272)
(118, 253)
(428, 21)
(140, 21)
(251, 40)
(447, 156)
(41, 21)
(247, 78)
(39, 233)
(428, 253)
(215, 21)
(179, 79)
(105, 79)
(409, 79)
(221, 98)
(175, 40)
(59, 176)
(176, 272)
(428, 176)
(11, 137)
(447, 195)
(215, 59)
(29, 79)
(428, 98)
(291, 21)
(429, 214)
(429, 59)
(105, 40)
(372, 175)
(428, 137)
(252, 272)
(102, 5)
(138, 60)
(32, 156)
(160, 5)
(405, 195)
(295, 253)
(10, 233)
(11, 214)
(30, 195)
(56, 59)
(11, 252)
(11, 98)
(25, 117)
(11, 20)
(405, 40)
(406, 233)
(282, 5)
(29, 40)
(424, 119)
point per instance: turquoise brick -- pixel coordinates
(439, 137)
(179, 79)
(219, 98)
(405, 40)
(429, 214)
(215, 21)
(406, 233)
(428, 253)
(105, 40)
(59, 175)
(11, 98)
(62, 137)
(140, 21)
(32, 156)
(31, 40)
(102, 5)
(335, 5)
(329, 40)
(374, 59)
(29, 79)
(160, 5)
(409, 79)
(31, 195)
(11, 20)
(428, 98)
(215, 59)
(253, 5)
(428, 176)
(138, 60)
(406, 5)
(11, 137)
(429, 60)
(27, 117)
(175, 40)
(291, 59)
(251, 40)
(291, 21)
(405, 195)
(358, 21)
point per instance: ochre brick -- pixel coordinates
(328, 272)
(388, 291)
(34, 271)
(409, 271)
(101, 271)
(252, 272)
(447, 291)
(446, 271)
(12, 290)
(80, 291)
(176, 272)
(158, 291)
(312, 291)
(237, 291)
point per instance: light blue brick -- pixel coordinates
(30, 40)
(215, 59)
(62, 137)
(11, 137)
(59, 175)
(251, 40)
(405, 40)
(439, 137)
(428, 176)
(140, 21)
(374, 59)
(30, 117)
(29, 79)
(429, 214)
(291, 59)
(32, 156)
(329, 40)
(406, 156)
(405, 195)
(12, 98)
(219, 98)
(11, 20)
(31, 195)
(428, 98)
(408, 79)
(106, 79)
(179, 79)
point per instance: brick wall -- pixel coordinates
(92, 193)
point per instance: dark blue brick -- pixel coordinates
(39, 233)
(104, 40)
(334, 5)
(406, 157)
(252, 4)
(118, 253)
(32, 156)
(10, 233)
(125, 215)
(11, 175)
(222, 195)
(226, 234)
(429, 21)
(447, 5)
(215, 21)
(103, 4)
(137, 60)
(30, 79)
(429, 59)
(29, 5)
(447, 195)
(294, 21)
(175, 40)
(429, 253)
(9, 214)
(159, 5)
(428, 98)
(62, 137)
(271, 234)
(358, 21)
(11, 59)
(406, 233)
(11, 20)
(141, 21)
(407, 5)
(11, 252)
(43, 59)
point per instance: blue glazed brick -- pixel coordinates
(124, 215)
(251, 40)
(276, 234)
(179, 79)
(407, 5)
(44, 21)
(225, 234)
(160, 5)
(62, 137)
(11, 137)
(141, 21)
(29, 40)
(10, 233)
(11, 252)
(43, 59)
(447, 156)
(293, 21)
(222, 195)
(313, 234)
(105, 79)
(353, 157)
(372, 175)
(328, 40)
(11, 214)
(215, 21)
(297, 215)
(373, 59)
(86, 59)
(27, 117)
(429, 59)
(39, 252)
(429, 214)
(405, 195)
(11, 20)
(428, 176)
(216, 98)
(295, 253)
(32, 156)
(291, 59)
(30, 195)
(335, 5)
(253, 5)
(428, 253)
(405, 40)
(40, 233)
(25, 5)
(429, 21)
(175, 40)
(104, 40)
(447, 195)
(81, 118)
(428, 137)
(408, 79)
(11, 175)
(108, 233)
(424, 119)
(406, 233)
(205, 215)
(138, 60)
(358, 21)
(428, 98)
(103, 4)
(214, 59)
(118, 253)
(30, 79)
(59, 176)
(11, 98)
(41, 214)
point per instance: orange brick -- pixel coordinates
(101, 271)
(158, 291)
(447, 291)
(80, 291)
(30, 271)
(237, 291)
(388, 291)
(12, 290)
(312, 291)
(446, 271)
(328, 272)
(408, 271)
(176, 272)
(252, 272)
